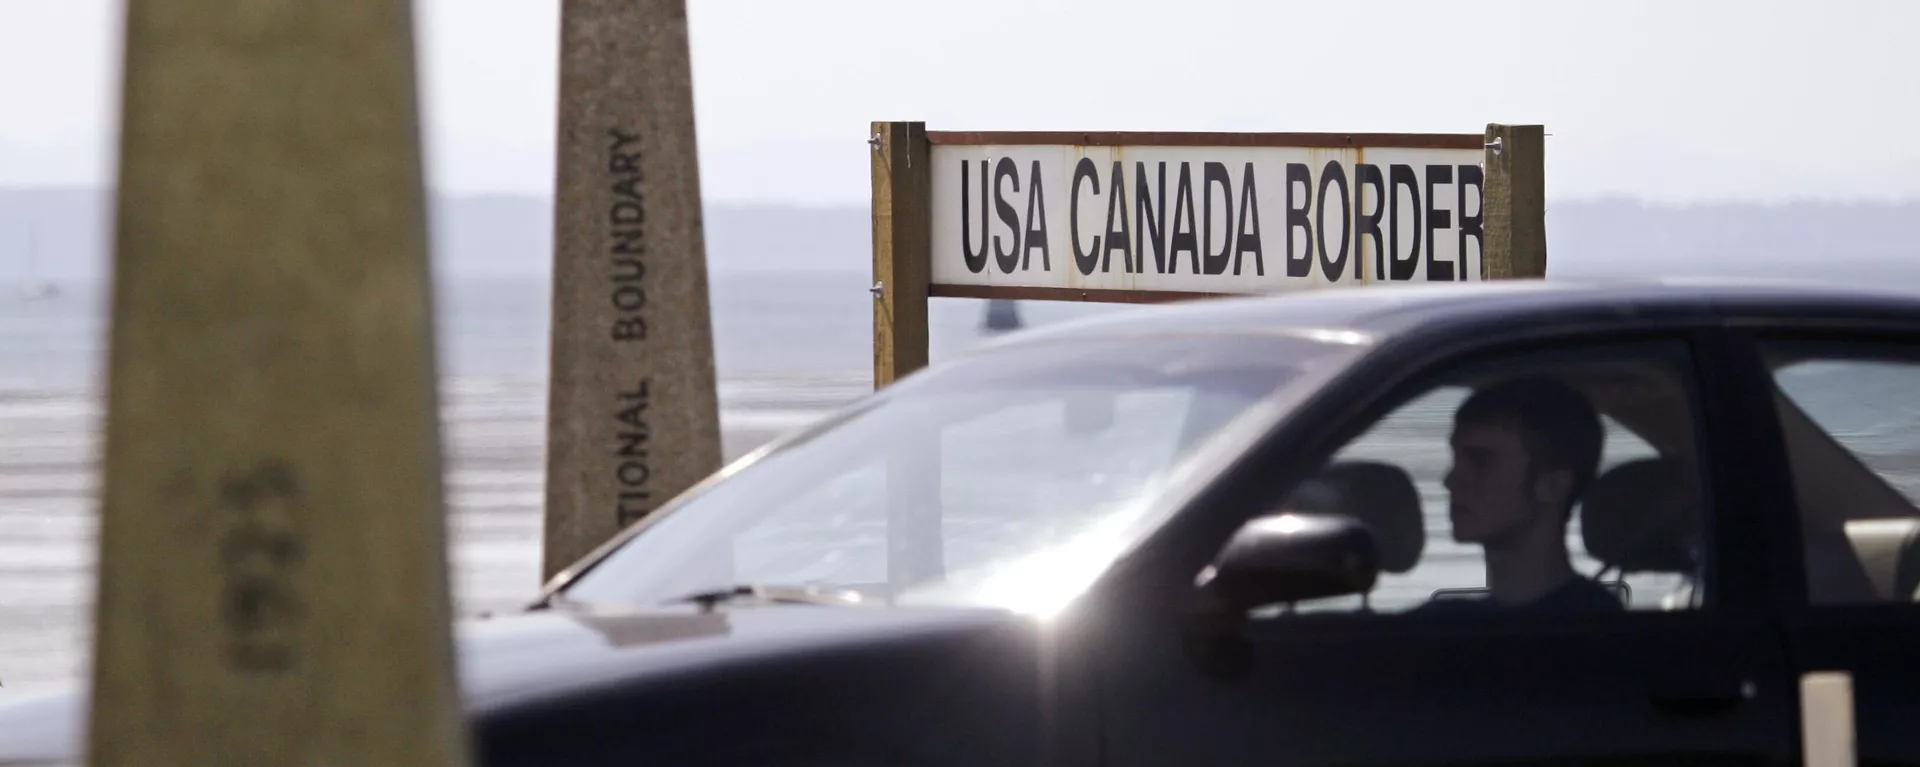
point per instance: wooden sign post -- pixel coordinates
(273, 571)
(1149, 217)
(633, 409)
(900, 242)
(1516, 202)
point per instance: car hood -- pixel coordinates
(524, 658)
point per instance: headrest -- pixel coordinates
(1642, 516)
(1379, 495)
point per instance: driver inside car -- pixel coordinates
(1524, 451)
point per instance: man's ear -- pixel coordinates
(1553, 487)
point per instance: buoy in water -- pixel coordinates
(1003, 315)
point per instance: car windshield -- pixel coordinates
(1008, 479)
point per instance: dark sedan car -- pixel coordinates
(1540, 522)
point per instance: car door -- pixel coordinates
(1683, 670)
(1848, 407)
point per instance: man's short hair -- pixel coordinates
(1558, 426)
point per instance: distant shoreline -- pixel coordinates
(481, 237)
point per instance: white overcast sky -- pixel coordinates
(1669, 101)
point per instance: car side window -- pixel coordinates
(1849, 418)
(1564, 480)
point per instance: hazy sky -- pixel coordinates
(1670, 101)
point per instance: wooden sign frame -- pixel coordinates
(1512, 215)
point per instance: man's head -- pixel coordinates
(1523, 452)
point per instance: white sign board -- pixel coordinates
(1014, 216)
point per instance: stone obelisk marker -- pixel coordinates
(273, 576)
(633, 417)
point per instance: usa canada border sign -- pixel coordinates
(1143, 217)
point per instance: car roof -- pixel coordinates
(1378, 311)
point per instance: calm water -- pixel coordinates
(789, 347)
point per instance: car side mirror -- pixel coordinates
(1290, 557)
(1280, 558)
